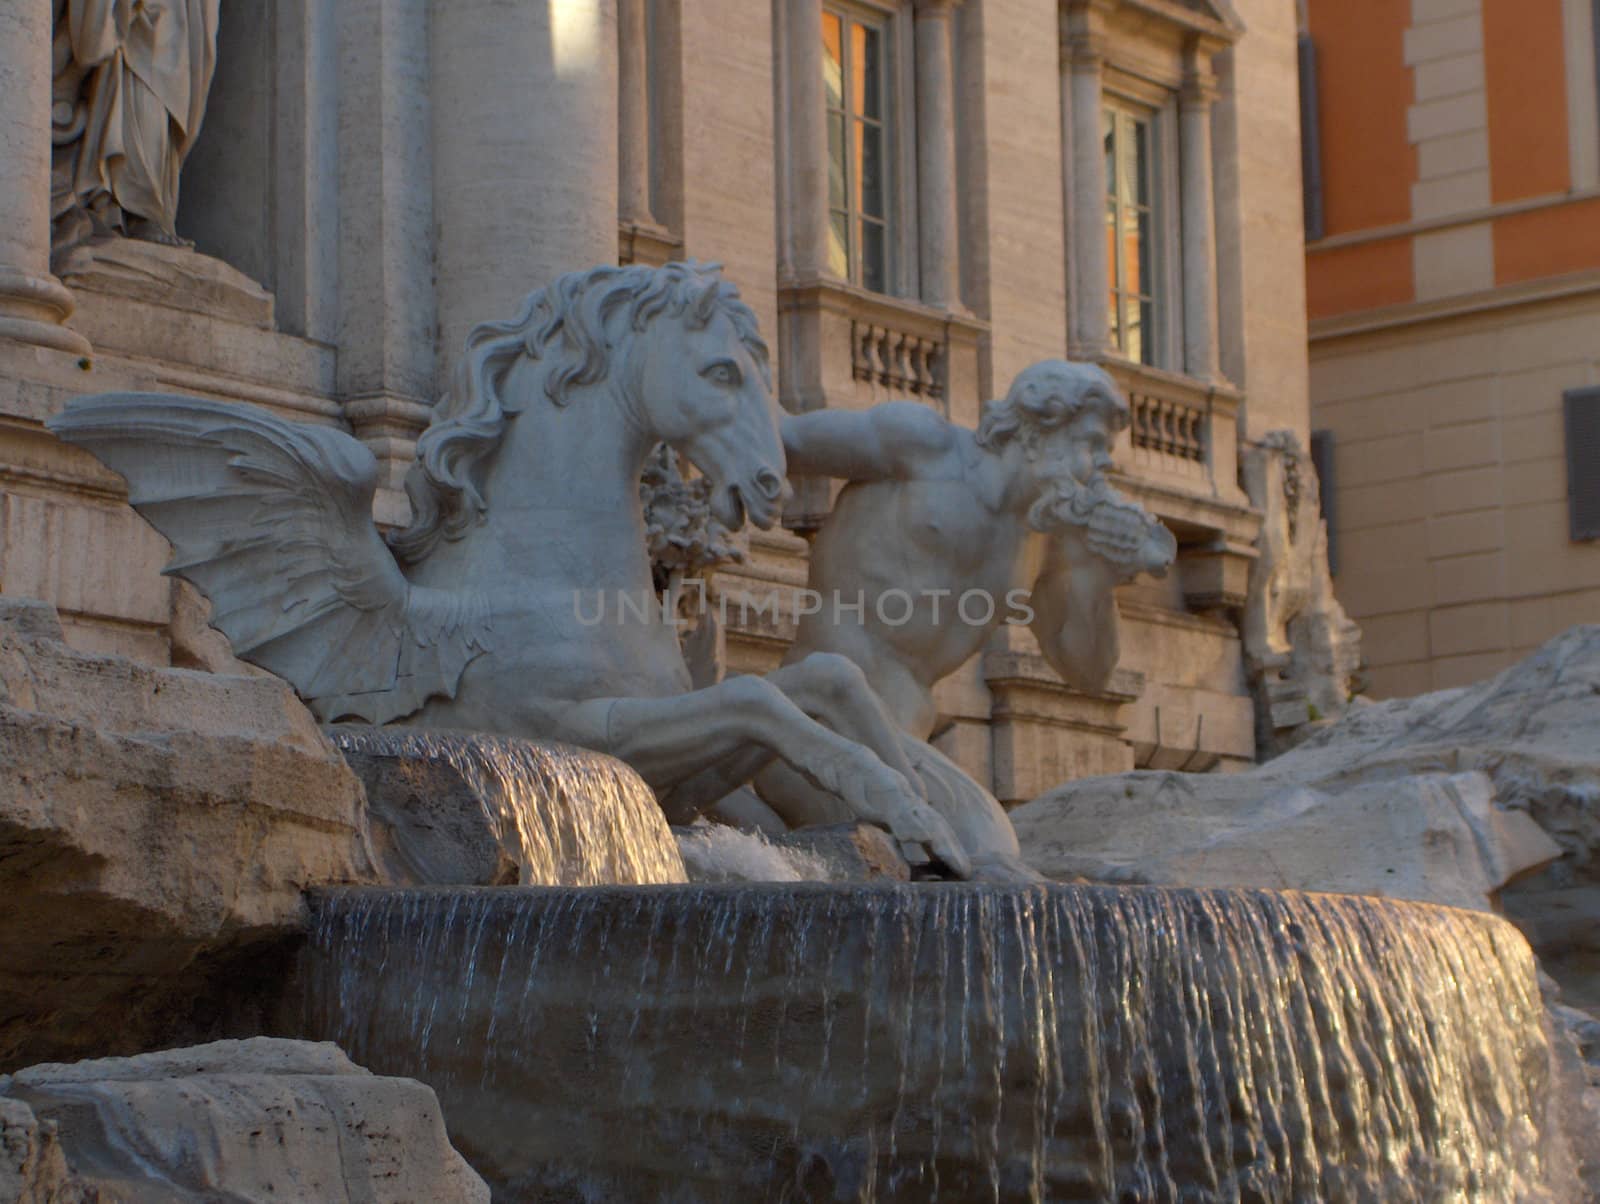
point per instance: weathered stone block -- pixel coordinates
(254, 1120)
(166, 823)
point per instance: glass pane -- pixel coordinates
(1134, 337)
(836, 161)
(1114, 321)
(1113, 256)
(1147, 324)
(1141, 264)
(1108, 122)
(1142, 156)
(833, 60)
(839, 245)
(866, 68)
(869, 169)
(874, 258)
(1127, 160)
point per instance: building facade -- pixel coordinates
(1454, 289)
(918, 199)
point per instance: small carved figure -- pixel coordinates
(130, 84)
(944, 533)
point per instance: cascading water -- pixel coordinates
(954, 1042)
(562, 816)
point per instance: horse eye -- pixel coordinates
(723, 372)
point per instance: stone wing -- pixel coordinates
(272, 521)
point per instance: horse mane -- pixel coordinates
(573, 324)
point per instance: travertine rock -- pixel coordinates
(157, 828)
(1532, 730)
(252, 1120)
(32, 1168)
(1435, 838)
(463, 809)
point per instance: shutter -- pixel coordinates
(1311, 138)
(1583, 461)
(1322, 462)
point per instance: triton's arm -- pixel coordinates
(1075, 612)
(1074, 600)
(886, 441)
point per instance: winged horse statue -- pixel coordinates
(524, 495)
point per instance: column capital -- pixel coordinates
(1199, 90)
(1085, 41)
(1199, 76)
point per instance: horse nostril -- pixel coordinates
(770, 484)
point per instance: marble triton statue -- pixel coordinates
(525, 495)
(130, 84)
(1012, 522)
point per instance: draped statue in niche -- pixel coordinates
(128, 96)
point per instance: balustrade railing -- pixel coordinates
(905, 364)
(1169, 426)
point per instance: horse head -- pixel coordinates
(702, 385)
(675, 349)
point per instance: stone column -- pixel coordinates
(808, 141)
(33, 303)
(1084, 54)
(938, 229)
(633, 114)
(524, 152)
(385, 317)
(1199, 217)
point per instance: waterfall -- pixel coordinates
(560, 816)
(953, 1042)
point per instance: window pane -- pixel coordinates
(874, 260)
(839, 244)
(1113, 251)
(1108, 122)
(866, 69)
(869, 169)
(836, 161)
(833, 60)
(1128, 165)
(1134, 337)
(1147, 324)
(1142, 156)
(1114, 321)
(1141, 274)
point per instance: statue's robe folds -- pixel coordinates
(131, 83)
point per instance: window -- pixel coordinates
(1583, 462)
(1130, 230)
(855, 66)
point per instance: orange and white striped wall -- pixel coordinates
(1454, 296)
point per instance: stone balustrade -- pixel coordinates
(1168, 426)
(904, 363)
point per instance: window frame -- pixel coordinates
(1157, 105)
(848, 119)
(893, 22)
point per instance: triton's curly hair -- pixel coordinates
(573, 325)
(1049, 394)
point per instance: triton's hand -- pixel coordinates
(1131, 538)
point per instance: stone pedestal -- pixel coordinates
(1045, 732)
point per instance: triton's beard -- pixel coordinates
(1068, 502)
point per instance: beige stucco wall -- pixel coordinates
(1452, 524)
(1262, 285)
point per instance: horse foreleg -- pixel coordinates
(698, 746)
